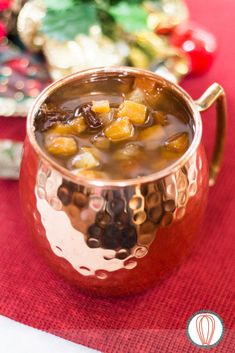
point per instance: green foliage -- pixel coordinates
(66, 19)
(66, 24)
(130, 16)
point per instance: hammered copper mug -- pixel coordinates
(122, 236)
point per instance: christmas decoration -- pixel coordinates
(9, 10)
(78, 34)
(22, 77)
(198, 43)
(10, 157)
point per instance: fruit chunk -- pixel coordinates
(78, 125)
(60, 128)
(145, 84)
(90, 117)
(75, 126)
(137, 96)
(120, 129)
(136, 112)
(85, 159)
(155, 132)
(160, 118)
(61, 146)
(100, 106)
(92, 174)
(101, 142)
(131, 150)
(152, 136)
(175, 146)
(106, 118)
(178, 143)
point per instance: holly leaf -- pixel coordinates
(129, 15)
(58, 5)
(68, 23)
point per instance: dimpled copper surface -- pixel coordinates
(117, 240)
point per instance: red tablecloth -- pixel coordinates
(154, 322)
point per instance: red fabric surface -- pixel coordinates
(153, 322)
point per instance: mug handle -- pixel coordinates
(215, 94)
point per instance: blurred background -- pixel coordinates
(44, 40)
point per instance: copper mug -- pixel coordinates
(119, 237)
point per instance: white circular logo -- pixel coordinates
(205, 329)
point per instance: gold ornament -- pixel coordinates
(85, 51)
(29, 22)
(169, 13)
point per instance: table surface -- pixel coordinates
(19, 338)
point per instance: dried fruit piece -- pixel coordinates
(106, 118)
(175, 146)
(101, 142)
(75, 126)
(100, 106)
(61, 146)
(160, 118)
(145, 84)
(131, 150)
(137, 96)
(153, 133)
(155, 99)
(136, 112)
(78, 125)
(85, 159)
(90, 117)
(178, 143)
(48, 116)
(120, 129)
(92, 174)
(60, 128)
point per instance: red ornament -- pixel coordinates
(5, 4)
(198, 43)
(3, 31)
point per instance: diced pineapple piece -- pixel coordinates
(145, 84)
(160, 118)
(61, 146)
(75, 126)
(137, 96)
(155, 132)
(60, 128)
(120, 129)
(168, 155)
(177, 144)
(136, 112)
(78, 125)
(100, 106)
(92, 174)
(106, 118)
(101, 142)
(156, 98)
(85, 159)
(131, 150)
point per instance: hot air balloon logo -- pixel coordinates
(205, 329)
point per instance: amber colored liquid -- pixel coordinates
(116, 90)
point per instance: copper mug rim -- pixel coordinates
(124, 70)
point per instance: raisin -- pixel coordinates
(48, 117)
(90, 117)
